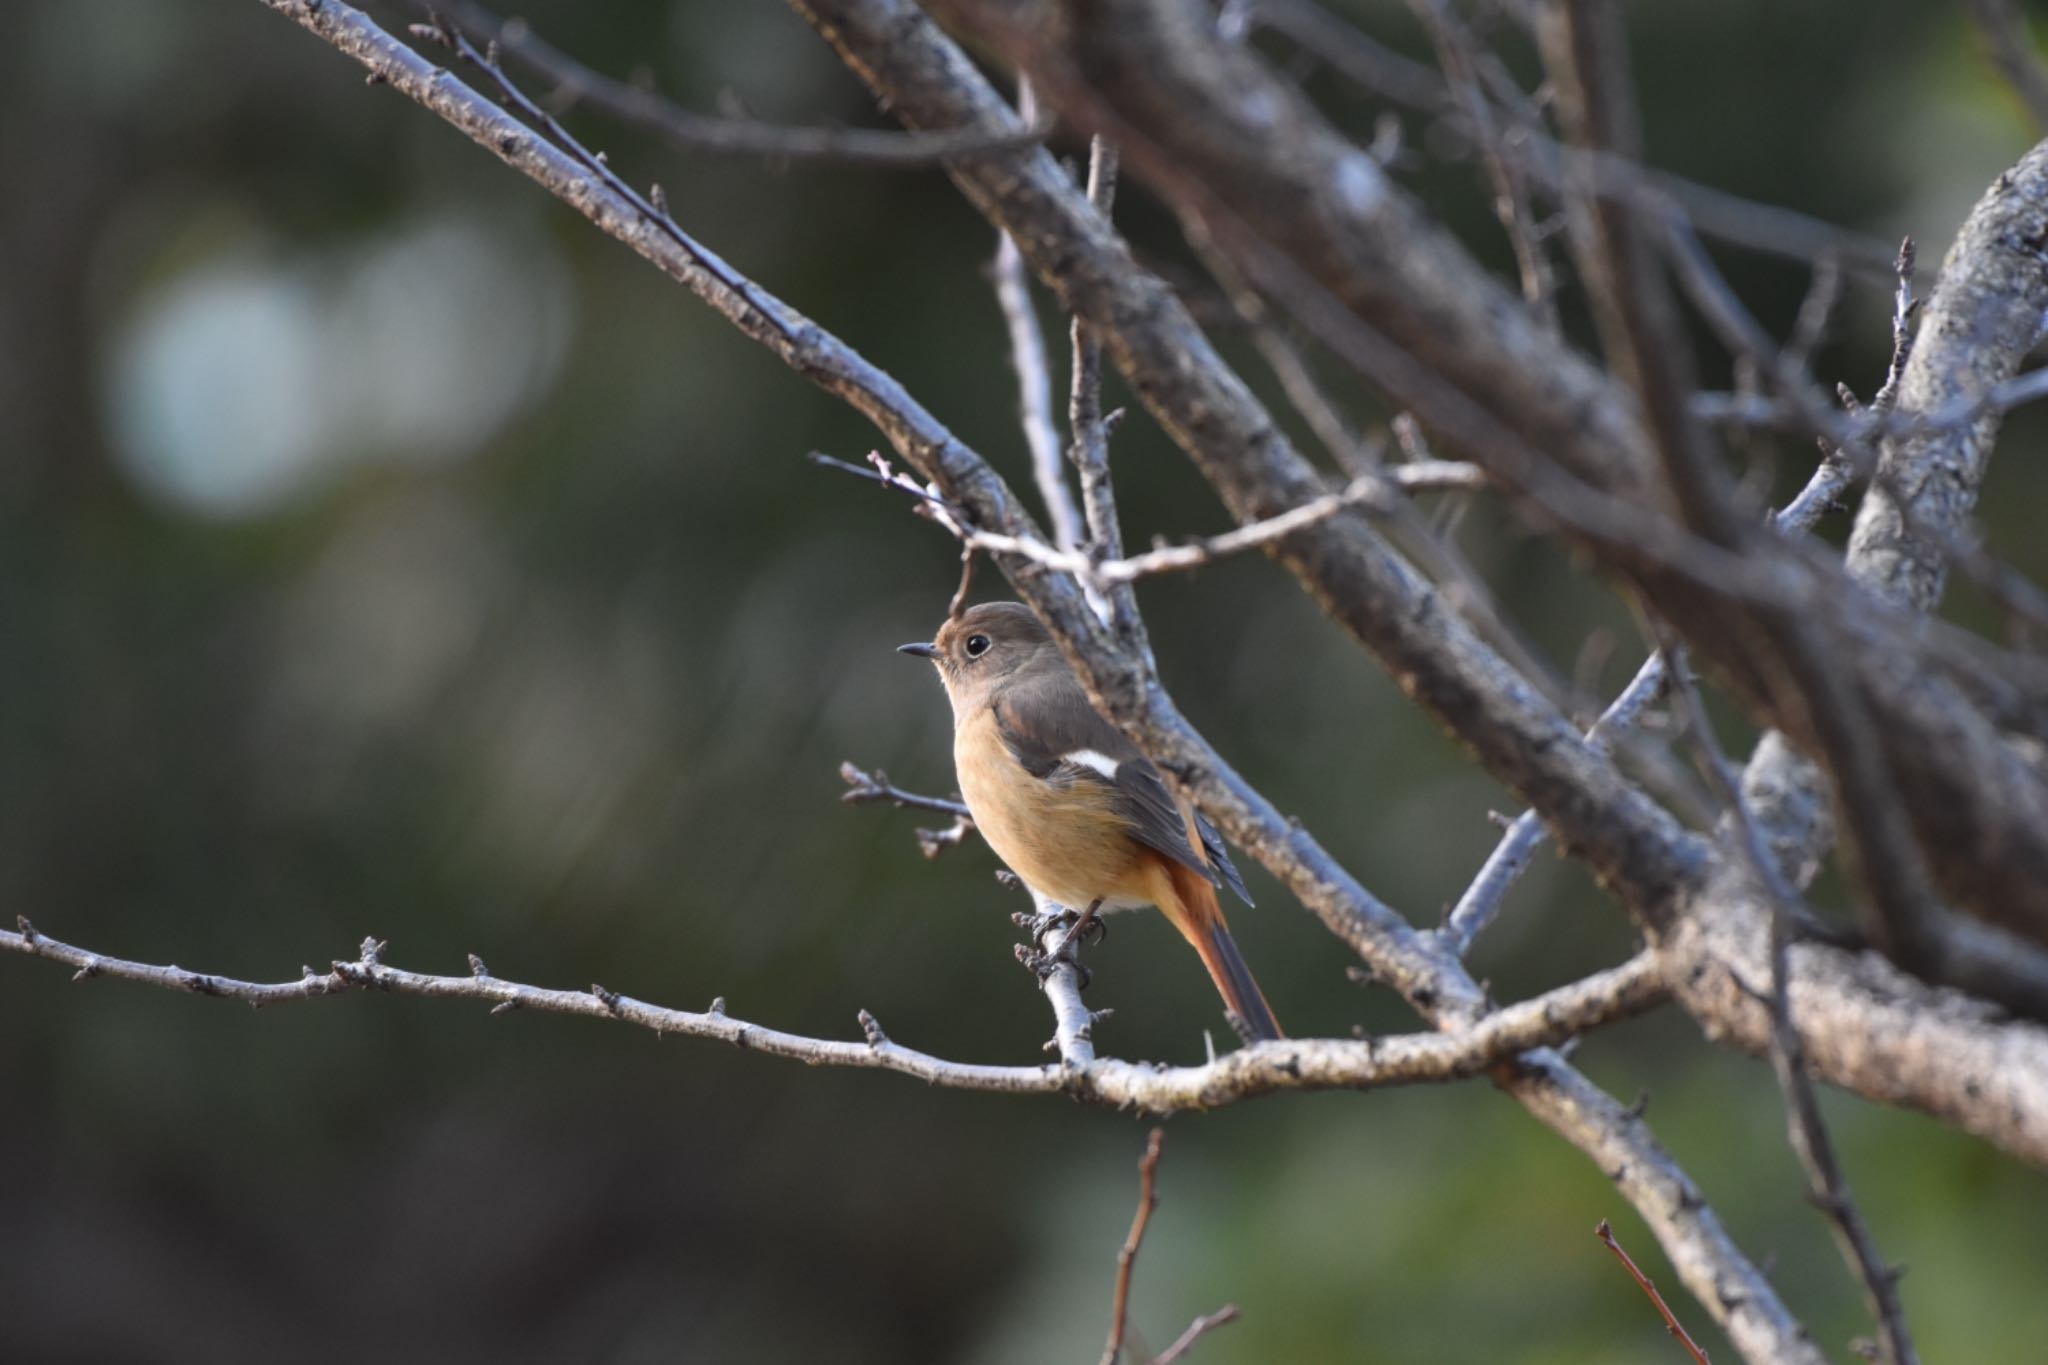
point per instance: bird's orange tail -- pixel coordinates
(1198, 916)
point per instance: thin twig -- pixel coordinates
(1375, 491)
(933, 842)
(1090, 428)
(1905, 317)
(876, 786)
(1127, 1257)
(1462, 585)
(1185, 1342)
(1768, 228)
(1503, 867)
(1455, 54)
(642, 107)
(1826, 1181)
(1482, 899)
(958, 602)
(1606, 1234)
(1855, 436)
(1034, 372)
(1371, 491)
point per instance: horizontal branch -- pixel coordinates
(863, 786)
(1376, 491)
(1267, 1068)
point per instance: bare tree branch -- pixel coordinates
(1827, 1182)
(1737, 1295)
(1034, 373)
(1462, 587)
(1767, 228)
(1294, 1064)
(640, 106)
(1585, 53)
(1055, 961)
(1503, 867)
(1984, 318)
(1455, 54)
(1376, 491)
(1481, 901)
(1089, 428)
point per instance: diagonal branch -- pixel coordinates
(1826, 1181)
(1606, 1234)
(642, 107)
(1768, 228)
(1585, 53)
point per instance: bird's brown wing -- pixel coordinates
(1050, 729)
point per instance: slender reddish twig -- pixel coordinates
(1148, 1167)
(1606, 1234)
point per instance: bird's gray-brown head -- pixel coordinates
(983, 645)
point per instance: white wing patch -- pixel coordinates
(1092, 758)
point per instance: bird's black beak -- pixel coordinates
(921, 650)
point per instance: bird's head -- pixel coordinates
(983, 644)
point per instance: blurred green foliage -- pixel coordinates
(384, 551)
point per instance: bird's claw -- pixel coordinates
(1042, 964)
(1039, 923)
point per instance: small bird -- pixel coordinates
(1070, 804)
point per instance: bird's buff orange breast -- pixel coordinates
(1064, 840)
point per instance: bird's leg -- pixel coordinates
(1089, 920)
(1050, 917)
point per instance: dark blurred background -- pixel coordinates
(383, 551)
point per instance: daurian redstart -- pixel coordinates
(1070, 804)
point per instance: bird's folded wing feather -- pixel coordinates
(1057, 737)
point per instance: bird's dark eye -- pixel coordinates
(977, 645)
